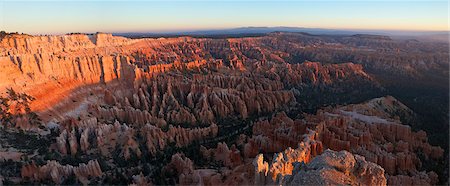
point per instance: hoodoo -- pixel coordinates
(281, 108)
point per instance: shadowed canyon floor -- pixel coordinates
(282, 108)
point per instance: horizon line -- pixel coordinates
(189, 31)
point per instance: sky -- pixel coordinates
(59, 17)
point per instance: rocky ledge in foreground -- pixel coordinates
(337, 168)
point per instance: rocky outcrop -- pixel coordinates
(261, 170)
(282, 163)
(59, 173)
(341, 168)
(388, 143)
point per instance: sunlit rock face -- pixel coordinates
(342, 168)
(75, 66)
(205, 112)
(66, 66)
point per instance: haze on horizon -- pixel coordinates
(59, 17)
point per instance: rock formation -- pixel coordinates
(364, 133)
(282, 163)
(156, 139)
(67, 65)
(58, 173)
(341, 168)
(372, 136)
(239, 102)
(107, 138)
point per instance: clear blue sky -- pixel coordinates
(56, 17)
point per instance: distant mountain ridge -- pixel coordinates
(440, 36)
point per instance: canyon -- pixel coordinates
(283, 108)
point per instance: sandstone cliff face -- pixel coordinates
(47, 60)
(61, 64)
